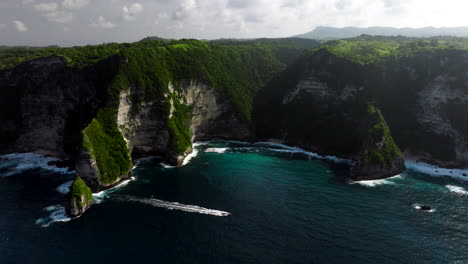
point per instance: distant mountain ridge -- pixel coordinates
(327, 33)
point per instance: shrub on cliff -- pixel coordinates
(106, 145)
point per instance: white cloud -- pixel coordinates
(46, 7)
(103, 23)
(53, 13)
(59, 17)
(20, 26)
(129, 13)
(75, 4)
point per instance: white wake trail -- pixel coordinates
(172, 205)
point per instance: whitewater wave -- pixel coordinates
(15, 163)
(373, 183)
(216, 150)
(228, 141)
(172, 205)
(57, 214)
(190, 156)
(64, 188)
(288, 149)
(457, 189)
(436, 171)
(99, 197)
(167, 166)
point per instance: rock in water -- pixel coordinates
(425, 208)
(379, 156)
(80, 198)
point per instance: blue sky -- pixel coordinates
(79, 22)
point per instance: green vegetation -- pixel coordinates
(379, 147)
(180, 137)
(237, 70)
(80, 197)
(367, 49)
(106, 145)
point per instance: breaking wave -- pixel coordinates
(57, 214)
(457, 189)
(216, 150)
(172, 205)
(433, 170)
(64, 188)
(15, 163)
(99, 197)
(373, 183)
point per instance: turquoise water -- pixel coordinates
(249, 204)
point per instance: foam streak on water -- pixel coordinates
(373, 183)
(288, 149)
(172, 205)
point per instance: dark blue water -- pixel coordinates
(283, 209)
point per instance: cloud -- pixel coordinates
(129, 13)
(20, 26)
(53, 13)
(59, 17)
(46, 7)
(103, 23)
(2, 26)
(75, 4)
(185, 10)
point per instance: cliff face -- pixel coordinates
(424, 100)
(44, 104)
(211, 116)
(320, 103)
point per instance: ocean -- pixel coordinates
(235, 202)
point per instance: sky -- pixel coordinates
(81, 22)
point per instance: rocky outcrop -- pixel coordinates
(379, 156)
(80, 198)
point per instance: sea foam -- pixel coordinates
(289, 149)
(457, 189)
(64, 188)
(216, 150)
(57, 214)
(373, 183)
(436, 171)
(15, 163)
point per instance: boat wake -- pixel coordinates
(171, 205)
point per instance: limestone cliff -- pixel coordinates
(211, 116)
